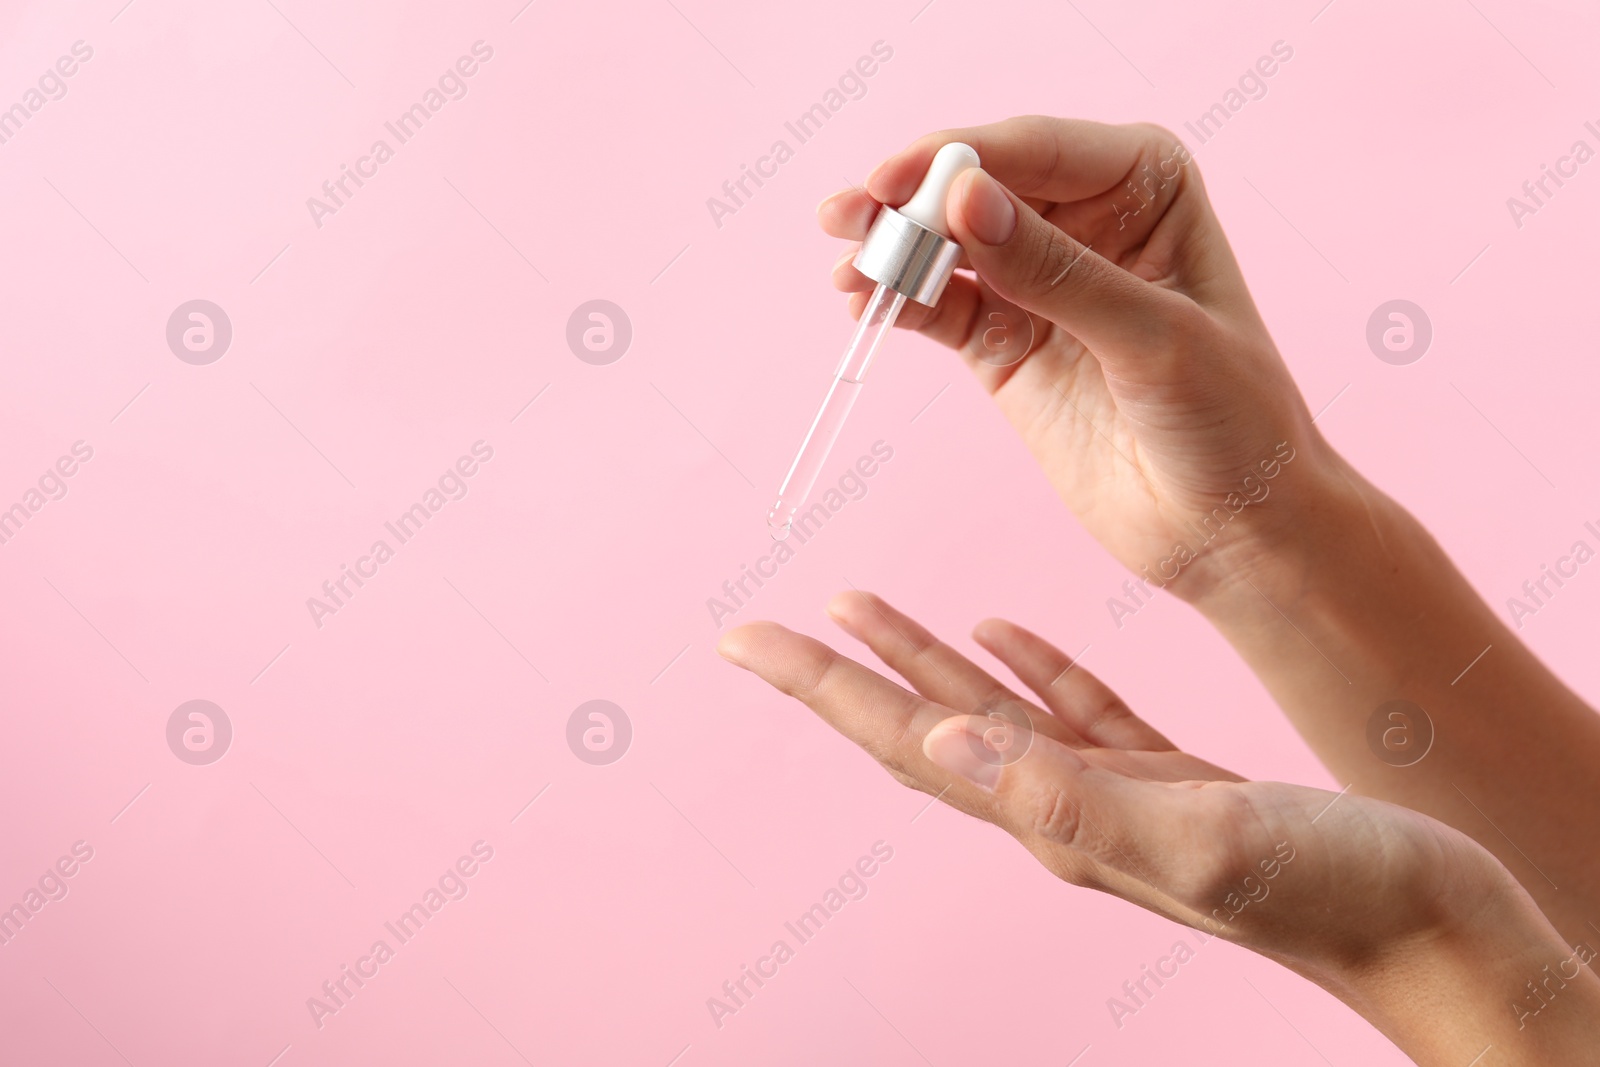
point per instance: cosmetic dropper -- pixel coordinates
(909, 253)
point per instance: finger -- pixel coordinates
(945, 322)
(847, 214)
(846, 278)
(960, 320)
(933, 668)
(1077, 697)
(885, 719)
(1090, 825)
(1055, 159)
(1127, 322)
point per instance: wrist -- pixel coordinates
(1322, 522)
(1495, 973)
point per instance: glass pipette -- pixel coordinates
(908, 252)
(874, 326)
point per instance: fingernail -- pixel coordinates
(987, 210)
(845, 608)
(848, 257)
(961, 752)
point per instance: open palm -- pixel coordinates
(1308, 877)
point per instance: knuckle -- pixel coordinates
(883, 752)
(901, 734)
(894, 747)
(1158, 137)
(1055, 818)
(1187, 319)
(1113, 712)
(905, 779)
(917, 640)
(811, 679)
(890, 753)
(1044, 130)
(1067, 866)
(1023, 128)
(1054, 256)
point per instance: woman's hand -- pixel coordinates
(1351, 892)
(1151, 393)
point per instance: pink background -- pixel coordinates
(370, 753)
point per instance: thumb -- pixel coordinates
(1041, 269)
(1079, 819)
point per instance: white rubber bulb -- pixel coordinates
(926, 206)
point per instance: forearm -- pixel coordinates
(1364, 608)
